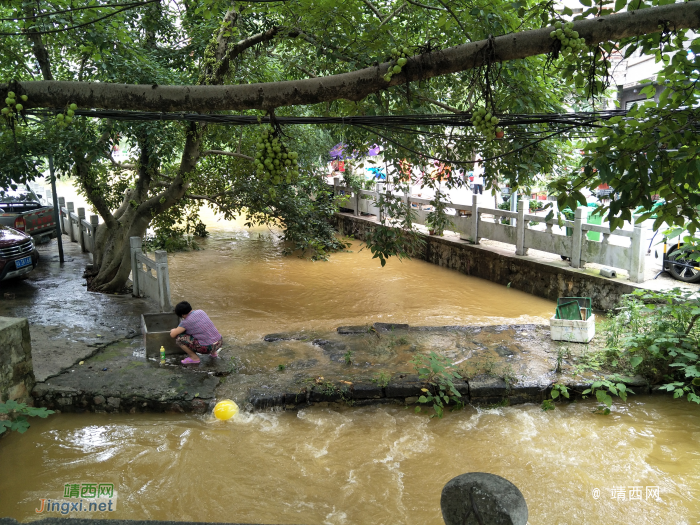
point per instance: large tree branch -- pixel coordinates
(393, 14)
(120, 165)
(314, 42)
(229, 153)
(39, 50)
(438, 104)
(378, 15)
(354, 85)
(217, 60)
(426, 6)
(190, 155)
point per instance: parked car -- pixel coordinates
(18, 255)
(23, 211)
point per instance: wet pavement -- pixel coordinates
(87, 343)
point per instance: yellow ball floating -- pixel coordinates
(225, 409)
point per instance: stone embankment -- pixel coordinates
(360, 365)
(537, 277)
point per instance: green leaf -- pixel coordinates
(620, 4)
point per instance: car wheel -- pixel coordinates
(684, 273)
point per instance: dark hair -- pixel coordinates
(182, 308)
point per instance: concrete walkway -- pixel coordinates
(88, 345)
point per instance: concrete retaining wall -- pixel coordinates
(16, 370)
(534, 277)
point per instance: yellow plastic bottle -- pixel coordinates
(162, 355)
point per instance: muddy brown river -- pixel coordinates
(249, 289)
(370, 465)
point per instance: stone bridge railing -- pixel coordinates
(621, 249)
(151, 278)
(76, 227)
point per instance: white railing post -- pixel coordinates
(578, 235)
(71, 210)
(636, 269)
(81, 235)
(163, 281)
(61, 205)
(520, 226)
(135, 244)
(356, 211)
(513, 201)
(94, 222)
(475, 220)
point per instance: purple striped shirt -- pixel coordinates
(198, 325)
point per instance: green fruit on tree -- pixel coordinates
(397, 69)
(68, 120)
(24, 98)
(402, 62)
(70, 112)
(73, 106)
(5, 111)
(11, 94)
(9, 101)
(406, 51)
(19, 107)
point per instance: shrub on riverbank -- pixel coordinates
(656, 335)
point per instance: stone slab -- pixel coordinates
(389, 327)
(262, 398)
(353, 330)
(403, 389)
(492, 387)
(367, 391)
(137, 383)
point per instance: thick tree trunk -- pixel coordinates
(354, 85)
(111, 260)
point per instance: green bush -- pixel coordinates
(17, 416)
(656, 335)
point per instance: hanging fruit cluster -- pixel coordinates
(12, 107)
(401, 58)
(273, 161)
(570, 41)
(486, 124)
(65, 118)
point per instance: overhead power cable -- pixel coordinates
(578, 119)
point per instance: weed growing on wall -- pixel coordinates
(439, 374)
(17, 414)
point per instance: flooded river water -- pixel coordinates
(370, 465)
(241, 280)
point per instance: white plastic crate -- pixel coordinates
(572, 331)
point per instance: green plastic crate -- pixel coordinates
(569, 311)
(583, 303)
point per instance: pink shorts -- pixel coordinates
(194, 345)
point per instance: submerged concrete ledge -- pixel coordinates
(538, 278)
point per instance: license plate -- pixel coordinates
(24, 261)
